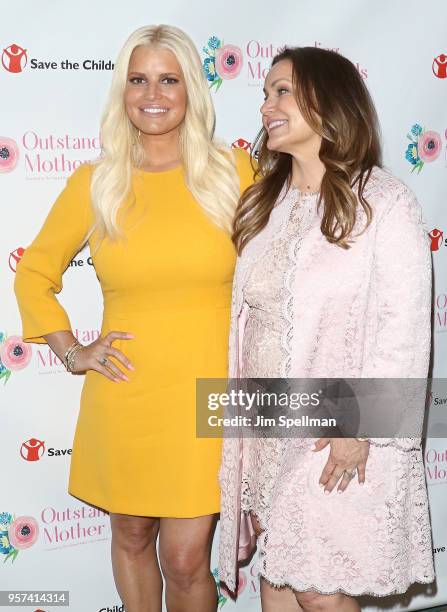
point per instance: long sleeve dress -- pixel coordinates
(306, 308)
(169, 283)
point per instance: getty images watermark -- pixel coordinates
(250, 402)
(317, 407)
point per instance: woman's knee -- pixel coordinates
(134, 534)
(184, 565)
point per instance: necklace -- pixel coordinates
(307, 190)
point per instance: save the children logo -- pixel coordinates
(15, 258)
(436, 239)
(439, 66)
(14, 355)
(9, 154)
(14, 58)
(16, 534)
(241, 143)
(222, 62)
(425, 147)
(32, 449)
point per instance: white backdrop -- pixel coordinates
(55, 71)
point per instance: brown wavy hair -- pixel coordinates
(336, 104)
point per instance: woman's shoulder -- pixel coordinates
(81, 177)
(384, 191)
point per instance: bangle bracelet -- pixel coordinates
(71, 354)
(68, 351)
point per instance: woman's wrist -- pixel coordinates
(70, 355)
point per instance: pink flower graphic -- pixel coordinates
(23, 532)
(429, 146)
(9, 154)
(229, 61)
(15, 354)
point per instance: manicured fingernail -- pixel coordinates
(130, 336)
(361, 483)
(326, 492)
(125, 378)
(116, 380)
(131, 367)
(320, 484)
(339, 491)
(314, 447)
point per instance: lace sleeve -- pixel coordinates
(402, 280)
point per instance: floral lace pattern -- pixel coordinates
(315, 310)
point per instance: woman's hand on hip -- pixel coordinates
(347, 459)
(96, 356)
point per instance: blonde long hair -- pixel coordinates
(209, 166)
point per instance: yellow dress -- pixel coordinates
(135, 449)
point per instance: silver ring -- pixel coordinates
(104, 361)
(351, 474)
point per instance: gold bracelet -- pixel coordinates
(67, 352)
(74, 349)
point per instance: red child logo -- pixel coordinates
(439, 66)
(15, 257)
(241, 143)
(14, 58)
(32, 449)
(436, 237)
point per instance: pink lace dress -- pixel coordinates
(306, 308)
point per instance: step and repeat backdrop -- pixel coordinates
(56, 63)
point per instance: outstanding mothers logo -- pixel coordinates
(252, 61)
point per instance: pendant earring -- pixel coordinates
(139, 134)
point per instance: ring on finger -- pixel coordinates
(351, 473)
(103, 361)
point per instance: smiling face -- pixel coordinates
(155, 94)
(287, 130)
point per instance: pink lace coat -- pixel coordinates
(362, 312)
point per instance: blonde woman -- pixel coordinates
(156, 210)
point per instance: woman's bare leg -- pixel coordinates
(316, 602)
(273, 599)
(134, 561)
(185, 557)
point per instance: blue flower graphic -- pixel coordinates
(5, 520)
(214, 42)
(416, 130)
(5, 546)
(411, 154)
(209, 65)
